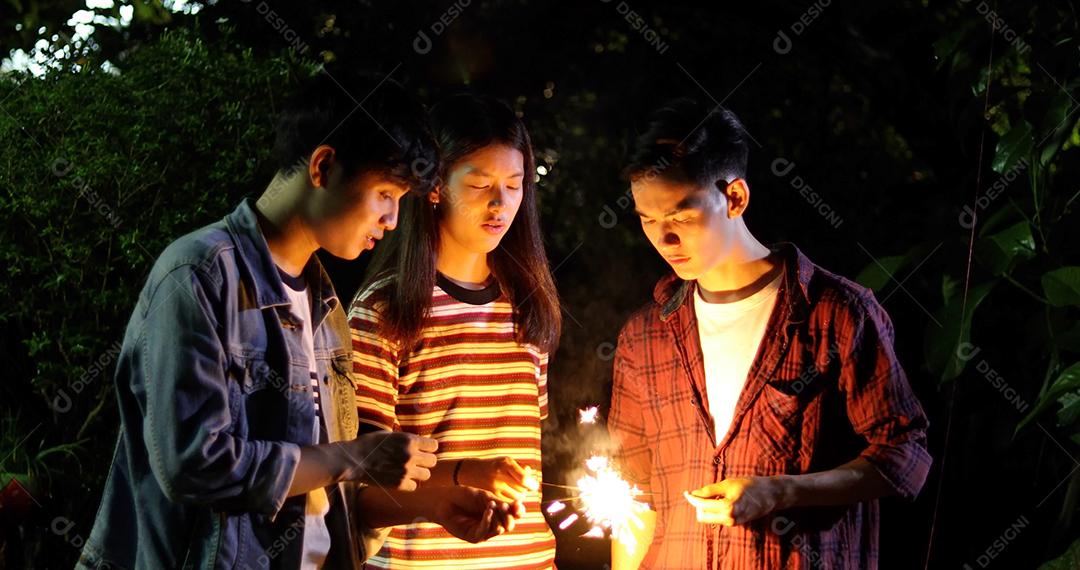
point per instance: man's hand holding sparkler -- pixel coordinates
(736, 501)
(474, 515)
(743, 499)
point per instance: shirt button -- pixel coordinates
(716, 461)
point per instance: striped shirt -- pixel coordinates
(470, 385)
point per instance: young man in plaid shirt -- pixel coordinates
(758, 398)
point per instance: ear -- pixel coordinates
(738, 197)
(322, 158)
(433, 196)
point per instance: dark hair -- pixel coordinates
(464, 124)
(372, 123)
(685, 141)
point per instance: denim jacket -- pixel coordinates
(214, 392)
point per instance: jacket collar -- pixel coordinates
(251, 246)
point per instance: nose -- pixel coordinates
(498, 199)
(389, 220)
(669, 238)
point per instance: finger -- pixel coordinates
(425, 460)
(427, 444)
(485, 521)
(508, 493)
(407, 484)
(698, 502)
(515, 471)
(502, 519)
(419, 473)
(708, 491)
(707, 517)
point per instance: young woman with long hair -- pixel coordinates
(452, 331)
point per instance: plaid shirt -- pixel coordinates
(825, 387)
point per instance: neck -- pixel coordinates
(745, 261)
(287, 235)
(466, 268)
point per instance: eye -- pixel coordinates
(385, 195)
(682, 220)
(647, 221)
(479, 187)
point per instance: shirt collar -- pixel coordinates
(671, 293)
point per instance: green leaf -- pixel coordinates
(949, 285)
(1062, 286)
(1015, 145)
(1067, 561)
(941, 342)
(878, 274)
(1067, 382)
(1070, 409)
(1001, 251)
(1054, 126)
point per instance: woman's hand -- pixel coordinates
(502, 476)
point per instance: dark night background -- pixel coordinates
(875, 125)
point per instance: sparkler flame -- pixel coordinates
(532, 482)
(609, 501)
(588, 415)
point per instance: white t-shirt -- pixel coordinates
(316, 535)
(730, 334)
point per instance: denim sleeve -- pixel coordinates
(186, 418)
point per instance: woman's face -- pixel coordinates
(480, 198)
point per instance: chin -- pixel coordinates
(686, 273)
(486, 246)
(348, 254)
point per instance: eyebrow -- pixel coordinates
(479, 172)
(684, 204)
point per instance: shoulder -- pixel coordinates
(370, 302)
(846, 304)
(197, 259)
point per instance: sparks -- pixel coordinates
(594, 532)
(555, 507)
(588, 415)
(568, 521)
(596, 463)
(609, 501)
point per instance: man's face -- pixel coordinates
(688, 224)
(481, 197)
(350, 214)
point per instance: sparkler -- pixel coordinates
(608, 502)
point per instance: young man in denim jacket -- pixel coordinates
(238, 445)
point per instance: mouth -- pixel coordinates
(676, 260)
(494, 227)
(369, 241)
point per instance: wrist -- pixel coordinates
(346, 462)
(786, 491)
(459, 473)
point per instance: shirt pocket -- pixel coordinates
(784, 411)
